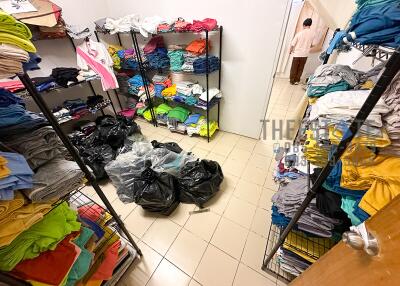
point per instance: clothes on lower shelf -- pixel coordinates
(40, 237)
(290, 196)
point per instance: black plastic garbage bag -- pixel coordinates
(97, 157)
(199, 181)
(156, 192)
(171, 146)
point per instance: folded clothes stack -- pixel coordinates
(207, 24)
(162, 113)
(112, 50)
(391, 120)
(198, 47)
(15, 174)
(40, 237)
(182, 26)
(65, 76)
(14, 44)
(165, 27)
(12, 85)
(287, 200)
(214, 94)
(330, 78)
(291, 263)
(17, 215)
(159, 59)
(169, 91)
(336, 110)
(189, 59)
(135, 83)
(14, 119)
(44, 83)
(176, 59)
(55, 179)
(200, 64)
(38, 146)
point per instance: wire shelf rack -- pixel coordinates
(304, 249)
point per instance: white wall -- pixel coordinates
(252, 31)
(251, 35)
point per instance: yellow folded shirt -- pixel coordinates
(213, 127)
(378, 174)
(4, 171)
(7, 207)
(20, 220)
(335, 136)
(169, 91)
(19, 42)
(299, 243)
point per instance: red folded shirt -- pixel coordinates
(51, 266)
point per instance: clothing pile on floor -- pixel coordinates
(100, 144)
(158, 176)
(15, 44)
(153, 25)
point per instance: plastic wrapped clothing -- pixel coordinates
(127, 168)
(199, 181)
(171, 146)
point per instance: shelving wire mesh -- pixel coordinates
(299, 245)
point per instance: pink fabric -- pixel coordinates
(129, 112)
(12, 85)
(107, 79)
(91, 212)
(207, 24)
(154, 43)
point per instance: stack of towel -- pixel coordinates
(14, 45)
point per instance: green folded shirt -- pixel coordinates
(179, 113)
(42, 236)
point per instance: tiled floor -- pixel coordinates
(226, 245)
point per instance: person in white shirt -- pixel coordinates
(300, 48)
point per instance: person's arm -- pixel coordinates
(293, 43)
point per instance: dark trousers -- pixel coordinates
(296, 71)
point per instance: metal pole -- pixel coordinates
(143, 74)
(119, 39)
(221, 29)
(25, 79)
(391, 69)
(207, 71)
(107, 92)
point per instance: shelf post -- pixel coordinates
(207, 91)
